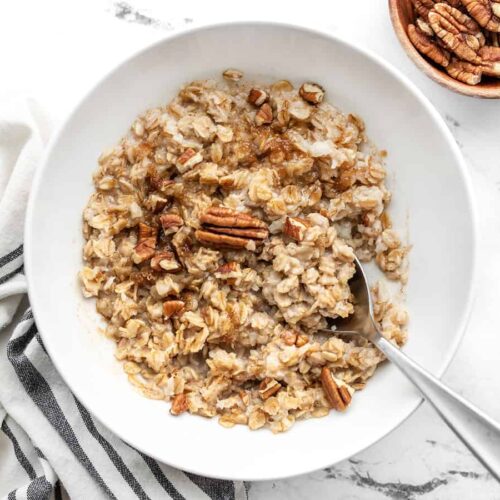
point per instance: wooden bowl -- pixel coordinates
(402, 14)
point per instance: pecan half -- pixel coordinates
(424, 26)
(338, 393)
(226, 228)
(423, 7)
(268, 387)
(165, 261)
(259, 233)
(222, 240)
(459, 32)
(428, 46)
(179, 404)
(312, 92)
(464, 71)
(257, 97)
(295, 227)
(172, 308)
(485, 12)
(490, 60)
(264, 115)
(226, 217)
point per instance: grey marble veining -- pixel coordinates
(125, 12)
(130, 14)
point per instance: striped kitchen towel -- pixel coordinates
(48, 437)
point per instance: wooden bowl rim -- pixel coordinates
(439, 76)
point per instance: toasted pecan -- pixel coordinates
(146, 245)
(295, 227)
(302, 340)
(338, 394)
(257, 233)
(225, 217)
(268, 387)
(221, 240)
(227, 267)
(165, 261)
(179, 404)
(289, 337)
(264, 115)
(428, 46)
(257, 97)
(144, 231)
(464, 71)
(172, 308)
(312, 92)
(485, 12)
(226, 228)
(169, 221)
(459, 33)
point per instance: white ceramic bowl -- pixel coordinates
(432, 198)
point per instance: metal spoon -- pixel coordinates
(479, 432)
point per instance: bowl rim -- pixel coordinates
(434, 73)
(30, 245)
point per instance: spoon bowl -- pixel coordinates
(360, 321)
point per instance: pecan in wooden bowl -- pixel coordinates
(454, 42)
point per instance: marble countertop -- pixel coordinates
(55, 50)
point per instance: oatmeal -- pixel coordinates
(221, 236)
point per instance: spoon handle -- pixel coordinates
(478, 431)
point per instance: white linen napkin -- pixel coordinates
(48, 436)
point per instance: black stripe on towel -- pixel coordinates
(41, 394)
(12, 495)
(216, 489)
(27, 315)
(111, 452)
(43, 486)
(11, 256)
(160, 477)
(39, 489)
(40, 341)
(21, 457)
(7, 277)
(57, 491)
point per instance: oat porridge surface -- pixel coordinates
(221, 235)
